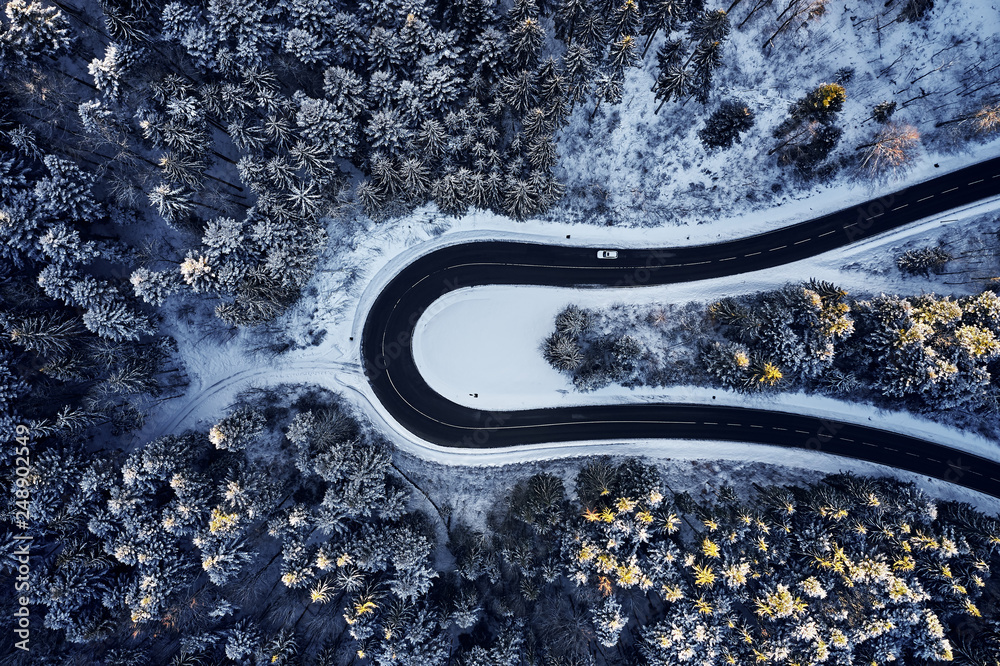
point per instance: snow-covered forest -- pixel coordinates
(286, 534)
(172, 172)
(929, 354)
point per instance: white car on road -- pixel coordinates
(607, 254)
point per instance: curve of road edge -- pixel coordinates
(389, 365)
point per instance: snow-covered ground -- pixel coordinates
(649, 173)
(628, 166)
(349, 280)
(486, 340)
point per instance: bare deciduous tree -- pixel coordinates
(891, 151)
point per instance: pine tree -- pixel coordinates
(609, 622)
(46, 335)
(115, 320)
(592, 32)
(66, 193)
(63, 245)
(824, 101)
(57, 282)
(519, 91)
(608, 89)
(624, 53)
(325, 125)
(709, 26)
(450, 195)
(237, 430)
(174, 204)
(665, 15)
(109, 72)
(34, 30)
(242, 641)
(723, 128)
(626, 19)
(519, 198)
(387, 131)
(569, 14)
(922, 261)
(563, 352)
(673, 84)
(415, 178)
(883, 111)
(440, 88)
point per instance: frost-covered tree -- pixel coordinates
(33, 30)
(237, 430)
(325, 125)
(922, 261)
(890, 152)
(173, 203)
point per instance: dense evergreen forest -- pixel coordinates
(160, 159)
(285, 534)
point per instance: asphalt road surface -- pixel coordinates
(392, 372)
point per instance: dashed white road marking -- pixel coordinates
(802, 241)
(727, 259)
(925, 198)
(752, 254)
(976, 182)
(899, 208)
(951, 190)
(828, 233)
(780, 247)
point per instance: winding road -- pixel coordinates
(391, 370)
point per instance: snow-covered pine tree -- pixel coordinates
(237, 430)
(34, 30)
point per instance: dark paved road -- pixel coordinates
(393, 374)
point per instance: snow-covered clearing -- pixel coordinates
(629, 166)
